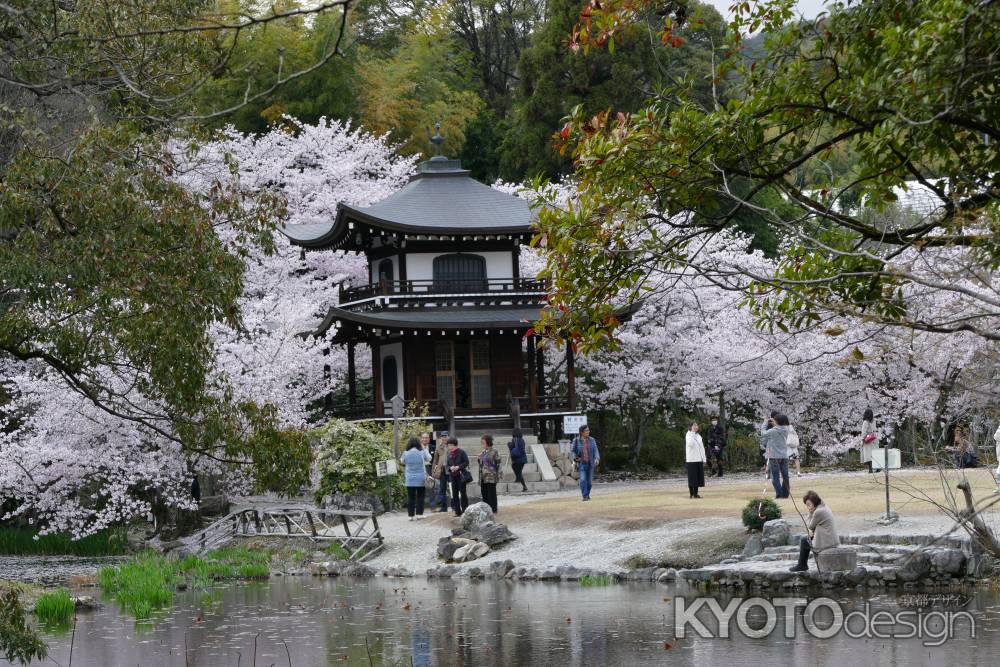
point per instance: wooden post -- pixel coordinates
(570, 375)
(532, 379)
(376, 380)
(352, 382)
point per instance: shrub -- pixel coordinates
(55, 607)
(589, 580)
(18, 641)
(758, 511)
(27, 542)
(345, 458)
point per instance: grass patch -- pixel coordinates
(338, 551)
(588, 580)
(27, 542)
(147, 581)
(704, 549)
(55, 607)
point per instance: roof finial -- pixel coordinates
(437, 139)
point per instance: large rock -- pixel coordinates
(754, 546)
(492, 534)
(775, 533)
(948, 561)
(836, 559)
(447, 546)
(462, 553)
(476, 515)
(914, 567)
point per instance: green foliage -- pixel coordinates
(865, 88)
(147, 581)
(758, 511)
(262, 52)
(143, 584)
(338, 552)
(27, 542)
(423, 81)
(554, 80)
(55, 607)
(18, 641)
(588, 581)
(346, 455)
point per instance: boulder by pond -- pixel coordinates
(775, 533)
(476, 515)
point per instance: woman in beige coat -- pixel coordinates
(822, 532)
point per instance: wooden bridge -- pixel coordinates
(357, 532)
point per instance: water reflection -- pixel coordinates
(313, 621)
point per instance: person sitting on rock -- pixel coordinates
(822, 532)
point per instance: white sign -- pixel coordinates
(572, 424)
(878, 459)
(565, 447)
(383, 468)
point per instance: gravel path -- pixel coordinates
(624, 519)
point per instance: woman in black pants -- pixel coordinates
(518, 456)
(458, 467)
(414, 460)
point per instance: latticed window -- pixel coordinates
(482, 395)
(459, 273)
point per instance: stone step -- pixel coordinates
(512, 488)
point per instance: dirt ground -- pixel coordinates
(625, 522)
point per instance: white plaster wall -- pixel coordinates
(420, 266)
(395, 268)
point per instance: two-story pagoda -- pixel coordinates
(445, 311)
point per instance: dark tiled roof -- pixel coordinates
(440, 200)
(435, 318)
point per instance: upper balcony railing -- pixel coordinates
(431, 288)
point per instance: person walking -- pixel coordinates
(775, 444)
(716, 445)
(694, 460)
(458, 471)
(439, 464)
(415, 460)
(869, 438)
(489, 471)
(586, 456)
(822, 532)
(518, 457)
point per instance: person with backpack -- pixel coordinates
(518, 456)
(489, 472)
(586, 456)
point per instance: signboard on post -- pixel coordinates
(572, 424)
(880, 462)
(384, 468)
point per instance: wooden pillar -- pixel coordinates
(352, 383)
(532, 378)
(571, 375)
(515, 265)
(402, 271)
(540, 378)
(376, 379)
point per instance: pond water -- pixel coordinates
(379, 621)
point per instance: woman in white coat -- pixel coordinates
(695, 460)
(869, 438)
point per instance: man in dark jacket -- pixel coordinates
(716, 445)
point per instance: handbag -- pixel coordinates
(869, 439)
(466, 476)
(430, 483)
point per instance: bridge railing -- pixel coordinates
(357, 532)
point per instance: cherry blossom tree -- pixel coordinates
(72, 464)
